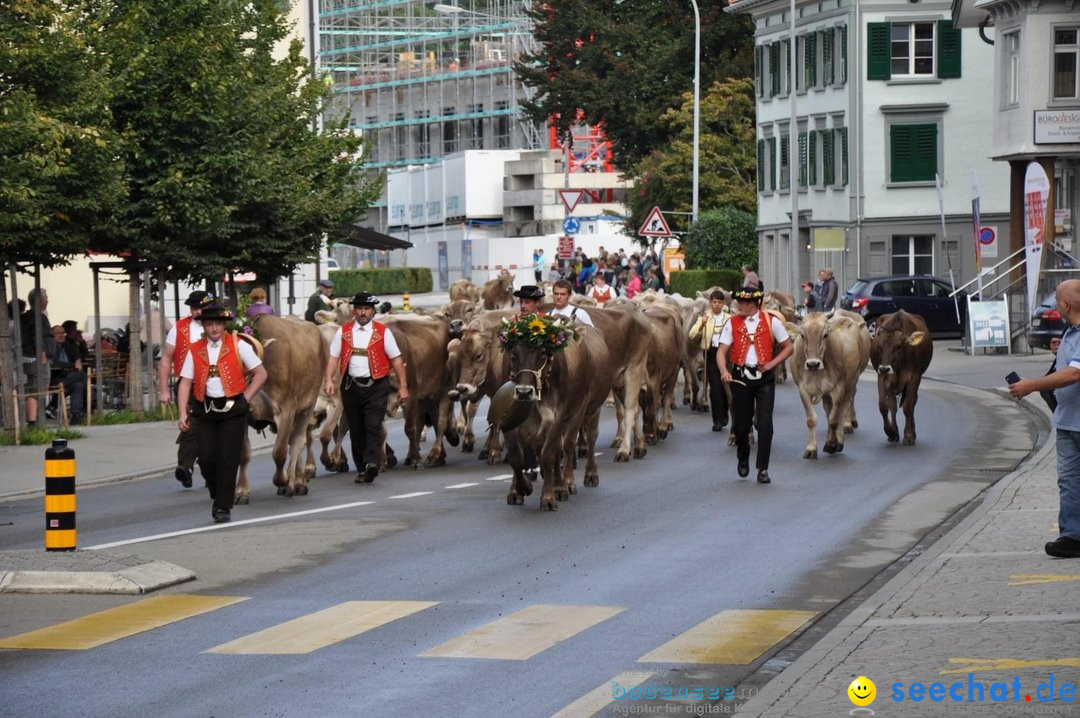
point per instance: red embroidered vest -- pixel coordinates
(230, 368)
(740, 346)
(183, 344)
(378, 362)
(603, 295)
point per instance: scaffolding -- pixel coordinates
(421, 82)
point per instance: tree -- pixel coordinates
(623, 63)
(727, 159)
(723, 238)
(59, 173)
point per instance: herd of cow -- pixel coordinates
(545, 406)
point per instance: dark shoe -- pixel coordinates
(1063, 547)
(183, 476)
(222, 516)
(744, 468)
(50, 413)
(717, 427)
(763, 477)
(370, 472)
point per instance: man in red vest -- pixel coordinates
(215, 371)
(365, 351)
(749, 343)
(186, 332)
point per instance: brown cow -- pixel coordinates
(565, 396)
(464, 290)
(499, 293)
(900, 352)
(458, 313)
(293, 351)
(831, 353)
(666, 345)
(477, 368)
(626, 333)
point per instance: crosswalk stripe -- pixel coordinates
(500, 477)
(115, 623)
(462, 486)
(322, 628)
(736, 637)
(414, 494)
(594, 701)
(523, 634)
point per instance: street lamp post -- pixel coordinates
(697, 104)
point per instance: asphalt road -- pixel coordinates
(662, 545)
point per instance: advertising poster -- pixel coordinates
(444, 267)
(466, 259)
(1036, 189)
(989, 323)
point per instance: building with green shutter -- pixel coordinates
(886, 96)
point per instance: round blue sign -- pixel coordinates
(571, 225)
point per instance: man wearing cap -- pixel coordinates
(186, 332)
(215, 372)
(365, 351)
(319, 300)
(560, 293)
(749, 343)
(529, 298)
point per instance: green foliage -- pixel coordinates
(722, 238)
(727, 157)
(130, 416)
(37, 436)
(622, 64)
(391, 280)
(690, 281)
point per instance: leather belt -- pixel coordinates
(220, 404)
(360, 381)
(359, 351)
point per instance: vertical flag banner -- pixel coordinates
(1036, 191)
(976, 229)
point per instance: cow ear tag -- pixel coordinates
(915, 339)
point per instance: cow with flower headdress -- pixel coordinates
(551, 396)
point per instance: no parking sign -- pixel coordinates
(988, 241)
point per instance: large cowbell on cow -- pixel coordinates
(506, 411)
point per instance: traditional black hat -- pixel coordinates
(529, 291)
(217, 313)
(199, 298)
(364, 299)
(749, 294)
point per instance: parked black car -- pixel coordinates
(1046, 323)
(923, 295)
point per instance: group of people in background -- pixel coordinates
(821, 296)
(606, 275)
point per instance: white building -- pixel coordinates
(886, 95)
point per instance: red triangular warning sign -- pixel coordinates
(571, 197)
(655, 225)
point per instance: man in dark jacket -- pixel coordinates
(67, 370)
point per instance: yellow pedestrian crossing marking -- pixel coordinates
(595, 700)
(523, 634)
(322, 628)
(735, 637)
(970, 665)
(1027, 579)
(120, 622)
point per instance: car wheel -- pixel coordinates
(871, 325)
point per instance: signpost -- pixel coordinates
(566, 247)
(571, 197)
(571, 225)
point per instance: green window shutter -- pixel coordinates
(948, 50)
(843, 157)
(828, 74)
(878, 50)
(802, 159)
(758, 60)
(913, 153)
(926, 151)
(774, 69)
(785, 163)
(829, 156)
(772, 163)
(811, 60)
(760, 165)
(787, 61)
(843, 55)
(812, 155)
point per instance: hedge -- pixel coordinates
(391, 280)
(688, 282)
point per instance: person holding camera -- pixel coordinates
(1064, 381)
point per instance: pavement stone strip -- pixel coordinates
(35, 571)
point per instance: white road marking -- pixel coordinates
(215, 527)
(409, 496)
(501, 477)
(461, 486)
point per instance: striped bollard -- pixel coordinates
(59, 497)
(405, 302)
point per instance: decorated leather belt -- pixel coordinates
(220, 404)
(214, 371)
(359, 351)
(360, 381)
(749, 373)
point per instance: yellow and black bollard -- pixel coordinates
(405, 302)
(59, 497)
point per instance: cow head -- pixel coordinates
(529, 370)
(813, 337)
(458, 313)
(891, 342)
(470, 357)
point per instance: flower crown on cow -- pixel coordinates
(535, 331)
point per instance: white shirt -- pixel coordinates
(361, 337)
(568, 312)
(719, 322)
(780, 335)
(214, 388)
(195, 333)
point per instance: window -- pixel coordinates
(918, 50)
(785, 161)
(449, 132)
(913, 152)
(841, 141)
(1066, 51)
(774, 69)
(1010, 92)
(422, 134)
(813, 161)
(911, 254)
(766, 164)
(399, 137)
(841, 75)
(934, 290)
(802, 160)
(895, 287)
(828, 44)
(502, 125)
(477, 127)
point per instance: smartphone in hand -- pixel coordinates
(1012, 377)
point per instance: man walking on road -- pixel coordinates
(1065, 380)
(179, 340)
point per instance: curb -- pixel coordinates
(134, 580)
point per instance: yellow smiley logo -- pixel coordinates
(862, 691)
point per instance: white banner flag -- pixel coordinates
(1036, 190)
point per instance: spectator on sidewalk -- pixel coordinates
(66, 369)
(601, 291)
(829, 291)
(258, 304)
(37, 347)
(633, 284)
(319, 300)
(538, 265)
(750, 277)
(1065, 381)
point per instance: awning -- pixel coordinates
(366, 238)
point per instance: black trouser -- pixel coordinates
(74, 383)
(752, 406)
(188, 441)
(365, 408)
(717, 395)
(220, 434)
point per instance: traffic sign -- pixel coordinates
(566, 247)
(571, 225)
(571, 197)
(655, 225)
